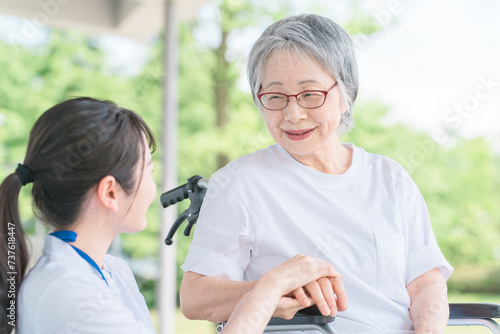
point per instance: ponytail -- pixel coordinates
(13, 251)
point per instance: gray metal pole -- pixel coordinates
(167, 302)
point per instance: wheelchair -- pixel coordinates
(461, 314)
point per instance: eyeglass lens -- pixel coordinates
(308, 99)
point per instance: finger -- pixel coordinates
(287, 308)
(316, 294)
(338, 287)
(289, 303)
(302, 297)
(329, 295)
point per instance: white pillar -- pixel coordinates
(166, 296)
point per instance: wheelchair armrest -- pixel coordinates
(300, 318)
(309, 318)
(474, 310)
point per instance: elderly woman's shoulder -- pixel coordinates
(247, 166)
(385, 164)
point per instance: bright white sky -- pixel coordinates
(428, 59)
(434, 57)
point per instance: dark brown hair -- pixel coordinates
(72, 146)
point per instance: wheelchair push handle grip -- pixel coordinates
(175, 195)
(203, 183)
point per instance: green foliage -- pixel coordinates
(33, 80)
(361, 23)
(147, 288)
(476, 279)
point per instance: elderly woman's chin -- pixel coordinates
(318, 142)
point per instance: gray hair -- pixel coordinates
(309, 36)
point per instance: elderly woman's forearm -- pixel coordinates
(429, 304)
(210, 298)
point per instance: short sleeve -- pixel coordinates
(225, 237)
(424, 253)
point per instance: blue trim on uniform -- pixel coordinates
(70, 236)
(65, 235)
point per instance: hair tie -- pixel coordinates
(24, 174)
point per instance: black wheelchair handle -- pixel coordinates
(174, 196)
(180, 193)
(195, 190)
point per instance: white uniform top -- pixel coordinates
(371, 223)
(63, 293)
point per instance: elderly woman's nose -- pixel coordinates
(294, 112)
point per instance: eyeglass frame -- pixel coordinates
(325, 93)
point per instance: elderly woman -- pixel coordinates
(311, 194)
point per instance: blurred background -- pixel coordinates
(429, 98)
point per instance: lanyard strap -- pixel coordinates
(70, 236)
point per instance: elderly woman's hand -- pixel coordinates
(305, 281)
(299, 276)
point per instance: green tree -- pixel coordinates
(36, 78)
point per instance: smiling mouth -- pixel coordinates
(298, 134)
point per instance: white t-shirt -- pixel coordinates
(371, 223)
(64, 294)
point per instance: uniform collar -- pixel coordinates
(61, 250)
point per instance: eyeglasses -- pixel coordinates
(309, 99)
